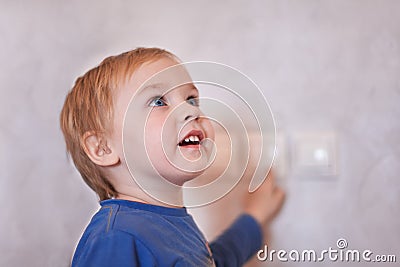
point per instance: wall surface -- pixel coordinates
(324, 66)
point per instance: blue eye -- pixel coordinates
(194, 101)
(157, 102)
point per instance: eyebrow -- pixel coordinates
(154, 86)
(160, 87)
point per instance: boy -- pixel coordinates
(132, 228)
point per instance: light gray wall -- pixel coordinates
(324, 66)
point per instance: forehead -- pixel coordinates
(160, 89)
(158, 75)
(154, 76)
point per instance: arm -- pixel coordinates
(240, 241)
(265, 203)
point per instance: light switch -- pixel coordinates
(314, 154)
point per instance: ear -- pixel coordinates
(98, 150)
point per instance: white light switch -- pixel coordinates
(314, 154)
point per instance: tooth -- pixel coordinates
(196, 138)
(186, 140)
(191, 138)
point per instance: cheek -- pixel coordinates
(209, 129)
(152, 135)
(159, 138)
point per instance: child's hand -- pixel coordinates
(266, 201)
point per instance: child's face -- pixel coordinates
(167, 124)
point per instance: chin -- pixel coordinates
(179, 177)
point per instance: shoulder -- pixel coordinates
(112, 236)
(135, 232)
(115, 221)
(137, 223)
(113, 248)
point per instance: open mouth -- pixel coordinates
(193, 138)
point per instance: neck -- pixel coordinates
(138, 195)
(129, 189)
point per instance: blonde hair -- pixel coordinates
(89, 107)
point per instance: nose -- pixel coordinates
(191, 117)
(190, 112)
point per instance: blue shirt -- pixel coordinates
(127, 233)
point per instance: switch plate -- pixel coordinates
(314, 154)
